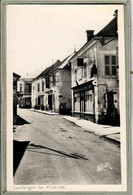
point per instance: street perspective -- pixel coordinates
(66, 96)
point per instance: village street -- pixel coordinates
(51, 150)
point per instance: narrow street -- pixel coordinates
(56, 151)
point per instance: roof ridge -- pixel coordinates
(47, 70)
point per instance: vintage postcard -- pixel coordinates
(65, 102)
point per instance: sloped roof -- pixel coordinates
(57, 65)
(16, 75)
(31, 75)
(66, 60)
(110, 30)
(50, 69)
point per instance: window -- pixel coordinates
(28, 87)
(38, 87)
(80, 62)
(110, 65)
(54, 80)
(47, 82)
(42, 85)
(80, 73)
(89, 101)
(85, 70)
(20, 87)
(75, 72)
(77, 102)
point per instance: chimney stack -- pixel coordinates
(90, 35)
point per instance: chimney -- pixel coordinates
(90, 35)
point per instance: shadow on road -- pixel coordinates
(74, 155)
(18, 152)
(21, 121)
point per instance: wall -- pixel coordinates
(61, 92)
(89, 54)
(35, 92)
(106, 83)
(65, 89)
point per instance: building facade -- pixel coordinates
(24, 91)
(51, 90)
(15, 96)
(95, 79)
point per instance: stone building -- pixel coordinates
(51, 90)
(95, 79)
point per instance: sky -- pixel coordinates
(38, 35)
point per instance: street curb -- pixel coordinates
(45, 112)
(116, 141)
(106, 137)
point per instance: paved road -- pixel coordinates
(60, 152)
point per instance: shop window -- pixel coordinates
(77, 102)
(82, 102)
(89, 101)
(110, 65)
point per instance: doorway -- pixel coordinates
(50, 101)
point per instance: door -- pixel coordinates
(50, 101)
(110, 103)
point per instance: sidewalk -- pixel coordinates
(107, 131)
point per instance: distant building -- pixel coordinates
(95, 79)
(24, 89)
(51, 90)
(15, 97)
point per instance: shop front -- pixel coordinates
(83, 101)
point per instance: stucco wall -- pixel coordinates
(34, 90)
(65, 88)
(89, 53)
(106, 83)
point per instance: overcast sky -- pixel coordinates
(38, 35)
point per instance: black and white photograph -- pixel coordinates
(66, 98)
